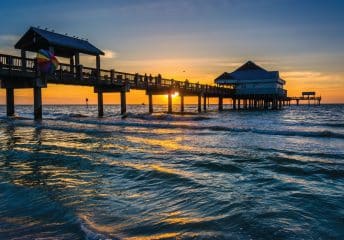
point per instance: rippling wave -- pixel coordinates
(229, 175)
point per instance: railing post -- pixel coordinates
(112, 76)
(71, 64)
(79, 72)
(9, 63)
(23, 60)
(98, 68)
(36, 68)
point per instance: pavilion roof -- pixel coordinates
(64, 46)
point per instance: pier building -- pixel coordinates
(254, 86)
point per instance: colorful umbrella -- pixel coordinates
(47, 62)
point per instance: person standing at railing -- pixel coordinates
(159, 79)
(150, 78)
(186, 83)
(146, 79)
(136, 79)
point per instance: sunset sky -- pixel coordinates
(194, 39)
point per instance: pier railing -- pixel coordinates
(81, 75)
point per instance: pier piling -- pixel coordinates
(205, 103)
(199, 103)
(123, 102)
(181, 103)
(220, 103)
(100, 104)
(37, 95)
(169, 102)
(10, 101)
(150, 103)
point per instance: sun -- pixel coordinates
(174, 95)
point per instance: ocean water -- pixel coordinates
(228, 175)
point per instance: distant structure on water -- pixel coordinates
(307, 96)
(256, 86)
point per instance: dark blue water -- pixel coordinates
(230, 175)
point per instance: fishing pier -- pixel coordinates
(21, 72)
(307, 96)
(18, 72)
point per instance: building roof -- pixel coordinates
(248, 71)
(64, 46)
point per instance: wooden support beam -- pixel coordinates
(77, 59)
(71, 64)
(199, 103)
(205, 103)
(98, 67)
(150, 103)
(234, 103)
(123, 102)
(238, 103)
(112, 75)
(169, 102)
(10, 101)
(37, 105)
(23, 60)
(79, 70)
(245, 103)
(100, 104)
(220, 103)
(181, 103)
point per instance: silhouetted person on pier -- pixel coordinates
(136, 79)
(150, 78)
(86, 102)
(159, 79)
(146, 79)
(186, 83)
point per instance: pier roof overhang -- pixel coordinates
(247, 72)
(64, 46)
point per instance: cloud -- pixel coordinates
(7, 40)
(109, 54)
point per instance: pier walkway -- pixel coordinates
(21, 72)
(307, 96)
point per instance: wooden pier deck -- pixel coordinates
(315, 100)
(21, 72)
